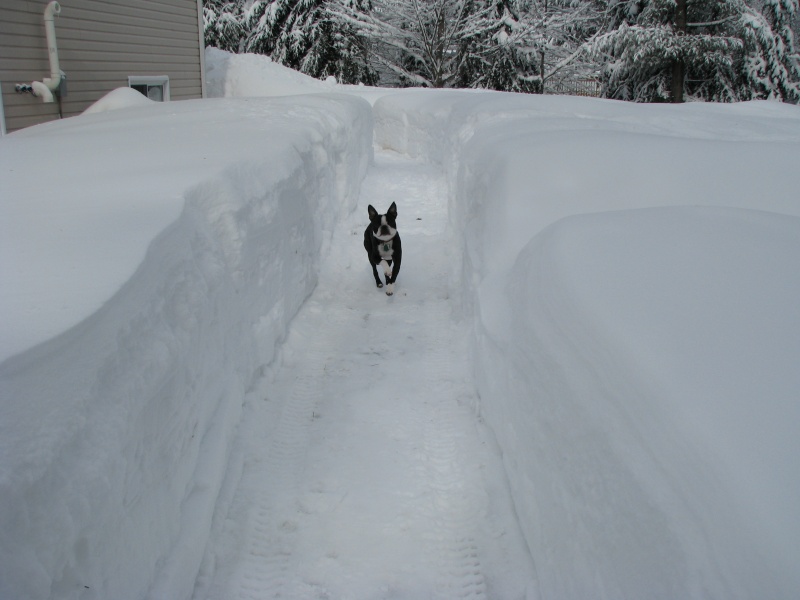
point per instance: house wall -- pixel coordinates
(100, 43)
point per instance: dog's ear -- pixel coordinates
(372, 212)
(392, 211)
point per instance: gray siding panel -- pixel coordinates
(100, 43)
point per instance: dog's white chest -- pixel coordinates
(386, 250)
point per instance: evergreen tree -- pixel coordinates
(771, 60)
(296, 33)
(721, 51)
(507, 62)
(641, 52)
(223, 25)
(650, 50)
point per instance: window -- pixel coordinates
(155, 87)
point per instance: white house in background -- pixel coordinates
(59, 57)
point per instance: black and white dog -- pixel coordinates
(382, 243)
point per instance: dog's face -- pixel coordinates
(383, 227)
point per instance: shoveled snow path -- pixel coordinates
(362, 470)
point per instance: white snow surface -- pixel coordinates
(584, 386)
(117, 99)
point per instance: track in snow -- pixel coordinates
(363, 471)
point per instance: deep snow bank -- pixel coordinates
(627, 484)
(630, 484)
(164, 256)
(255, 75)
(650, 402)
(635, 365)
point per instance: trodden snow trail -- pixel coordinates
(363, 470)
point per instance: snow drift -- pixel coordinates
(650, 399)
(144, 286)
(635, 363)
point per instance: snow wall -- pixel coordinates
(635, 330)
(116, 433)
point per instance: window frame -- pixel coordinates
(161, 81)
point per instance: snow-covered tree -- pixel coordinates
(648, 48)
(505, 60)
(514, 45)
(563, 32)
(771, 60)
(223, 25)
(420, 42)
(295, 33)
(538, 43)
(299, 34)
(659, 50)
(282, 29)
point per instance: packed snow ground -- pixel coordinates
(362, 472)
(606, 307)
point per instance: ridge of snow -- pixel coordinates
(118, 99)
(175, 263)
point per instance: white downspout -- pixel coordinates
(53, 8)
(2, 117)
(48, 85)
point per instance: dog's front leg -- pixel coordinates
(378, 281)
(387, 273)
(391, 276)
